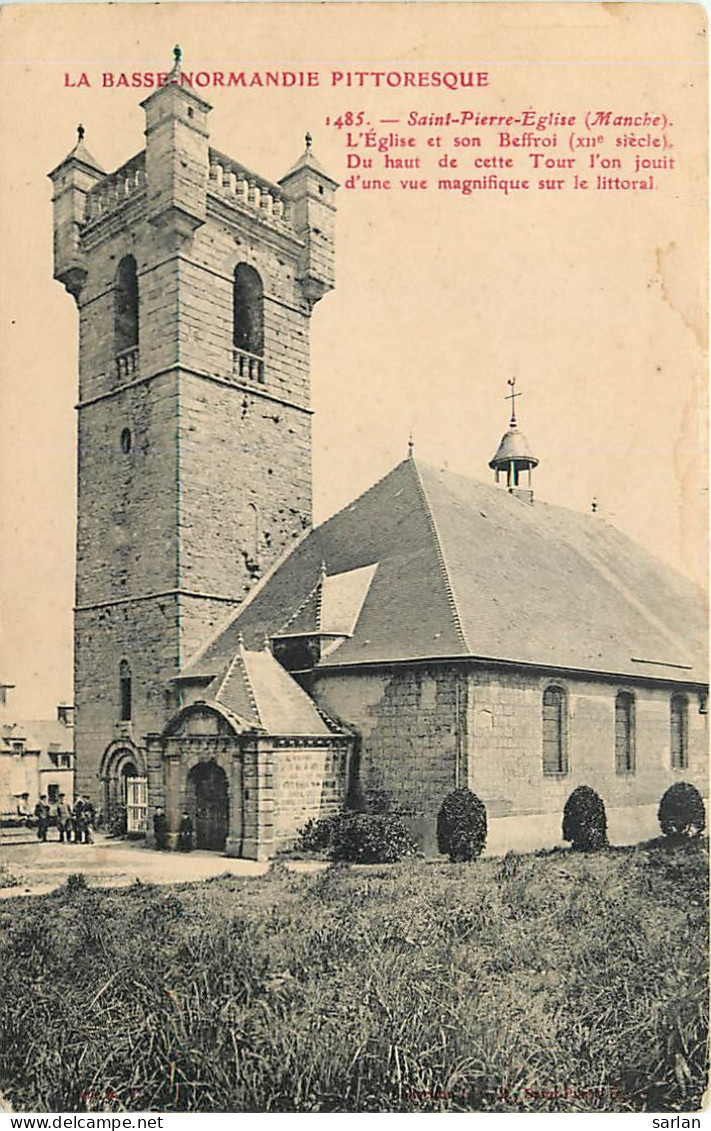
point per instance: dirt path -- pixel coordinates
(41, 868)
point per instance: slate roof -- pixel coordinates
(38, 735)
(333, 606)
(308, 160)
(465, 569)
(50, 734)
(82, 154)
(259, 694)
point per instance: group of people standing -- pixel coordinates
(160, 830)
(74, 823)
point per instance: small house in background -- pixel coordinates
(36, 757)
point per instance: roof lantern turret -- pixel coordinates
(513, 456)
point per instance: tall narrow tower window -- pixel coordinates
(624, 733)
(555, 744)
(124, 691)
(248, 323)
(679, 719)
(126, 318)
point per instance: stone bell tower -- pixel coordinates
(195, 280)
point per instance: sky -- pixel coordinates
(594, 301)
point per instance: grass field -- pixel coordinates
(552, 982)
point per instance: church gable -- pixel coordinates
(256, 694)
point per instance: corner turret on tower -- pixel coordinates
(513, 455)
(311, 193)
(177, 160)
(72, 179)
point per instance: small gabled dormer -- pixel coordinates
(323, 621)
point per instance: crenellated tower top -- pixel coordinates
(178, 178)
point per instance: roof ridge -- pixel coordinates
(300, 608)
(248, 683)
(332, 722)
(444, 568)
(359, 498)
(226, 676)
(319, 597)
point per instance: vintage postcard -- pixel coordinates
(353, 464)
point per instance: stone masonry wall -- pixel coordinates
(158, 302)
(308, 783)
(127, 537)
(427, 728)
(411, 723)
(146, 635)
(217, 481)
(245, 444)
(505, 743)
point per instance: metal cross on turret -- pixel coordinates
(512, 397)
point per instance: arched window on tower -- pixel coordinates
(248, 294)
(124, 691)
(555, 731)
(126, 319)
(679, 720)
(624, 733)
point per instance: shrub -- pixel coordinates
(681, 811)
(76, 882)
(316, 836)
(461, 826)
(7, 880)
(585, 820)
(370, 838)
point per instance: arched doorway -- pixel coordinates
(124, 784)
(128, 770)
(208, 804)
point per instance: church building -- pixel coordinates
(232, 660)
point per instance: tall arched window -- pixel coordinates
(248, 294)
(679, 720)
(624, 733)
(555, 731)
(126, 317)
(124, 691)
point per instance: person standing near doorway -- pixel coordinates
(42, 815)
(185, 836)
(78, 820)
(160, 827)
(63, 825)
(88, 819)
